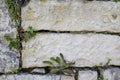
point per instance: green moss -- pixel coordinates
(14, 43)
(14, 9)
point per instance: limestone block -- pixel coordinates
(9, 60)
(112, 74)
(72, 15)
(35, 77)
(87, 75)
(83, 49)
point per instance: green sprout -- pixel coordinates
(59, 65)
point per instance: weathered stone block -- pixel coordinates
(112, 74)
(6, 25)
(87, 75)
(9, 60)
(35, 77)
(72, 15)
(84, 49)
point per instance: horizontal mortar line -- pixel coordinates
(28, 70)
(79, 32)
(82, 68)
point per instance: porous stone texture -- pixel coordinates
(112, 74)
(87, 75)
(72, 15)
(9, 60)
(35, 77)
(83, 49)
(6, 25)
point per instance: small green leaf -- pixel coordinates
(100, 77)
(108, 62)
(10, 46)
(12, 17)
(58, 60)
(54, 70)
(52, 59)
(99, 68)
(13, 43)
(8, 38)
(11, 10)
(28, 35)
(31, 31)
(48, 62)
(67, 65)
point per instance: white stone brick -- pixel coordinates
(72, 15)
(112, 74)
(87, 75)
(84, 49)
(35, 77)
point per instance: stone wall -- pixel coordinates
(85, 32)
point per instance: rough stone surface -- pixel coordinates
(6, 25)
(38, 70)
(35, 77)
(112, 74)
(87, 75)
(8, 58)
(72, 15)
(84, 49)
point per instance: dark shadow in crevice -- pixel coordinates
(78, 32)
(23, 2)
(77, 69)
